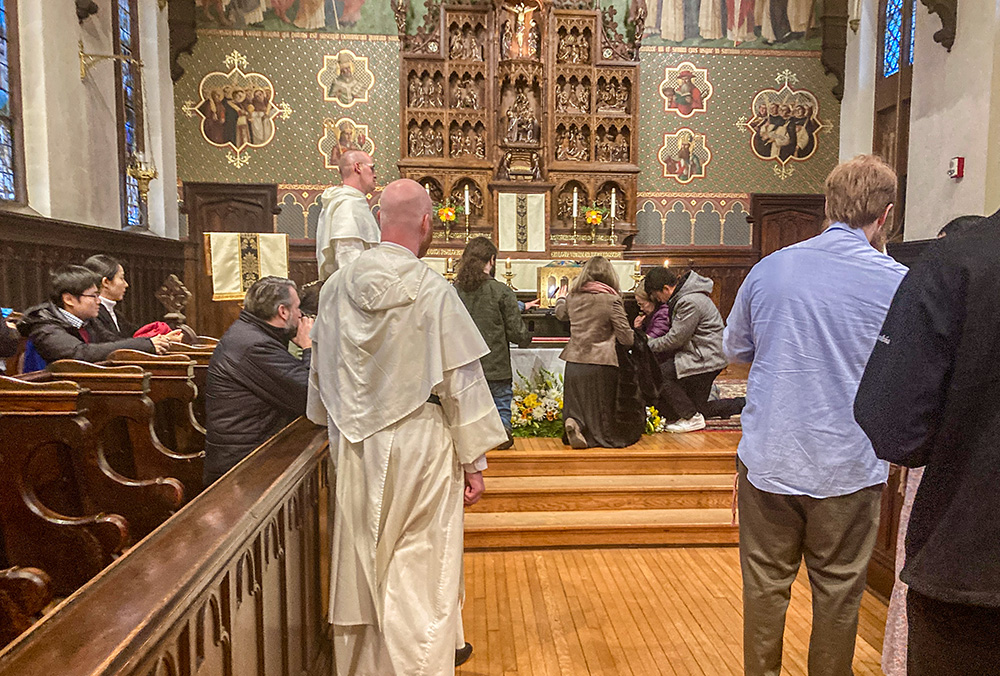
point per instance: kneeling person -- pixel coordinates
(255, 386)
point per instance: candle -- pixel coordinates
(449, 266)
(576, 202)
(507, 265)
(638, 267)
(427, 187)
(666, 262)
(614, 202)
(466, 199)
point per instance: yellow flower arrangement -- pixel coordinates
(446, 213)
(594, 217)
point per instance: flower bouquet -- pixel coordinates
(536, 410)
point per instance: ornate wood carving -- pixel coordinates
(182, 25)
(947, 11)
(521, 96)
(834, 27)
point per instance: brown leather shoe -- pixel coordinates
(463, 654)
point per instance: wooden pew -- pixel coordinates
(123, 472)
(24, 592)
(200, 355)
(230, 585)
(45, 520)
(172, 391)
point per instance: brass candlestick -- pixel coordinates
(508, 275)
(468, 233)
(612, 240)
(574, 230)
(636, 276)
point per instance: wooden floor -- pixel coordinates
(607, 611)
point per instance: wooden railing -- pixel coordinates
(231, 585)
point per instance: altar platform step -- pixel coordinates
(605, 492)
(717, 456)
(600, 528)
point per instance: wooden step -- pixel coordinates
(604, 528)
(601, 492)
(592, 461)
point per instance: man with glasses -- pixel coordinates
(63, 328)
(255, 386)
(346, 225)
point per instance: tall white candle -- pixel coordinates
(576, 202)
(466, 198)
(427, 187)
(614, 202)
(666, 262)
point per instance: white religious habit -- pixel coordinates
(346, 228)
(391, 339)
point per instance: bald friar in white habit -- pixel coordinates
(396, 369)
(346, 225)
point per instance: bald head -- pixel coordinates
(405, 215)
(357, 170)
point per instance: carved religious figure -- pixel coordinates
(466, 93)
(520, 122)
(525, 34)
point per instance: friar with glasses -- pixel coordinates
(346, 224)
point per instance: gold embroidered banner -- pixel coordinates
(241, 258)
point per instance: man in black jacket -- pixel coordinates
(64, 327)
(255, 386)
(929, 398)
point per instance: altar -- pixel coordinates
(524, 271)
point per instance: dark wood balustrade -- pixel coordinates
(230, 585)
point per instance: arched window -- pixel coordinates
(125, 20)
(893, 84)
(11, 149)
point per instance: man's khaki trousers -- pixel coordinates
(836, 537)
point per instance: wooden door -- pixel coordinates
(222, 207)
(780, 220)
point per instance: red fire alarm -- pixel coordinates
(956, 167)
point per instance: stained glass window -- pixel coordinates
(8, 190)
(130, 93)
(893, 37)
(913, 28)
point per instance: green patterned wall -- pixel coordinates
(718, 193)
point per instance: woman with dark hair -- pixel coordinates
(598, 323)
(494, 308)
(110, 324)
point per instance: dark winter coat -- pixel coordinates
(929, 397)
(55, 338)
(254, 388)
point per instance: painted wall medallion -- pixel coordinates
(684, 155)
(237, 108)
(342, 135)
(345, 78)
(785, 123)
(685, 89)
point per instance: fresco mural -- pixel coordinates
(335, 16)
(780, 24)
(685, 89)
(684, 155)
(345, 78)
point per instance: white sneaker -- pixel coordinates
(692, 424)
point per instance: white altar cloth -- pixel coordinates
(528, 360)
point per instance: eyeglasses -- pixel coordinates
(89, 295)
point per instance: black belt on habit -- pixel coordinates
(434, 399)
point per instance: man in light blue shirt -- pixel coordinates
(807, 318)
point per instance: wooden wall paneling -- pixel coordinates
(780, 220)
(32, 246)
(221, 207)
(910, 252)
(230, 585)
(882, 567)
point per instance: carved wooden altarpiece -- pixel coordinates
(526, 97)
